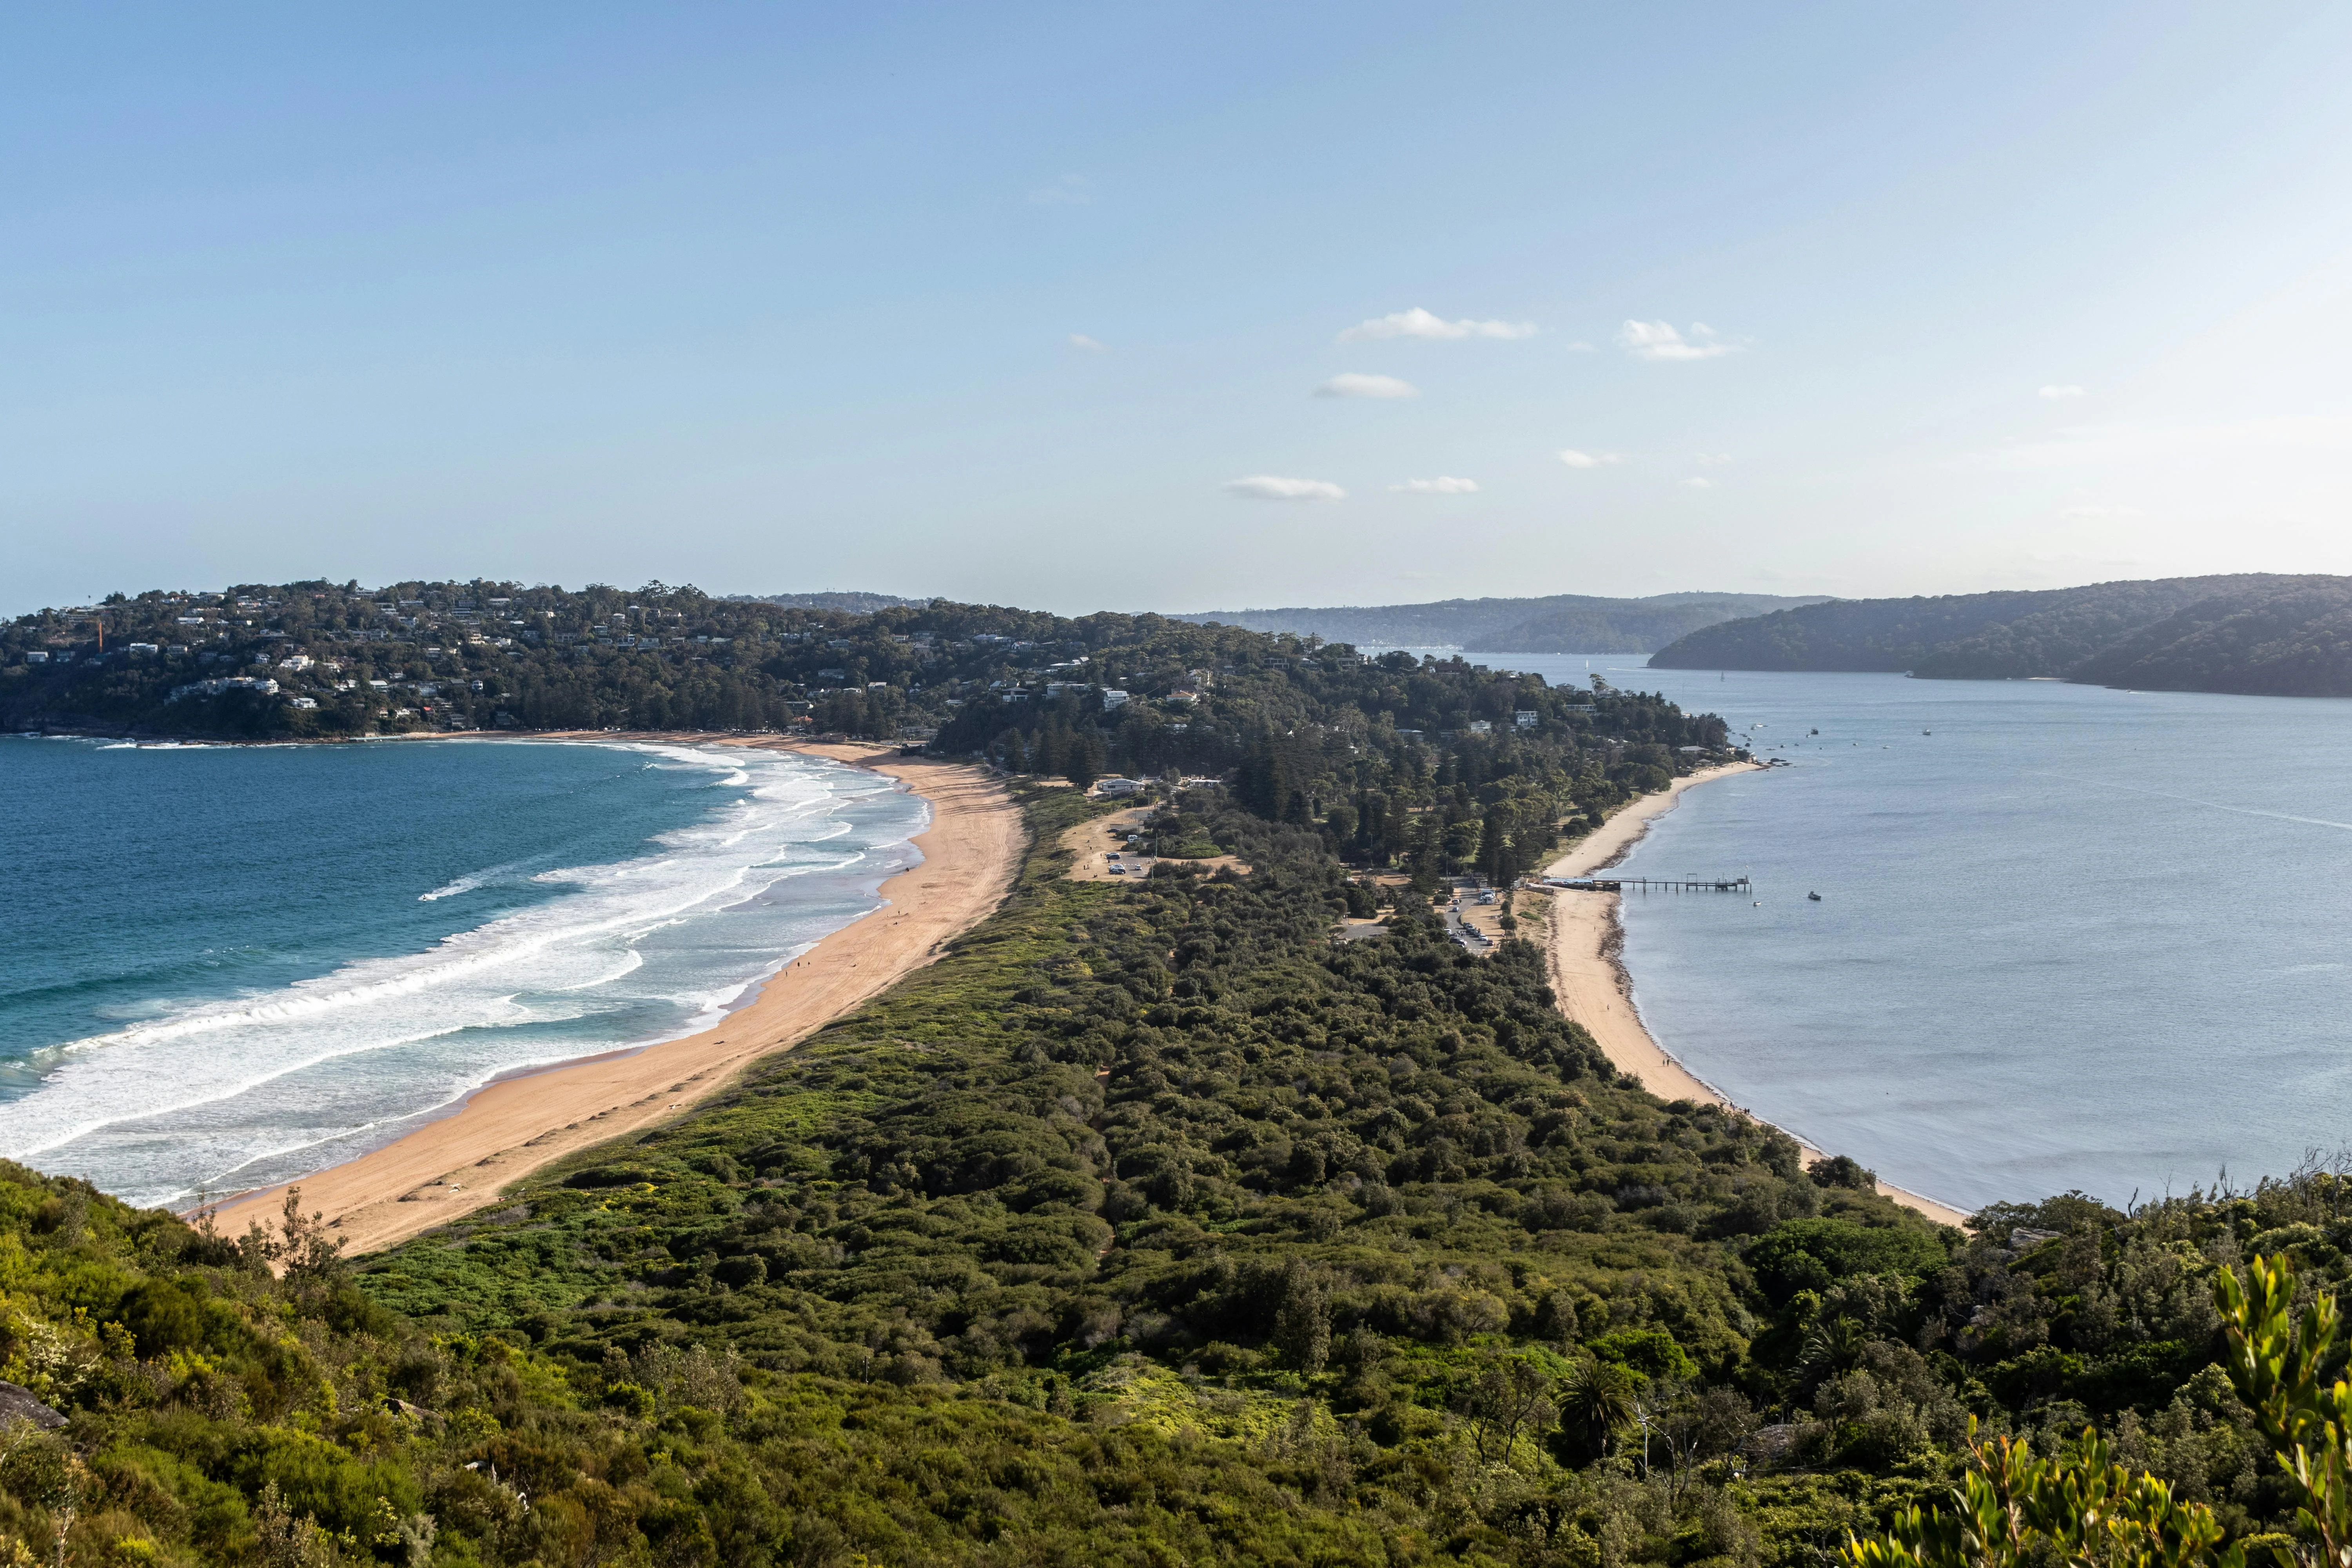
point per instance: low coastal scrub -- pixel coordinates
(1153, 1225)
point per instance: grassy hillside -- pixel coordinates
(1148, 1227)
(2255, 633)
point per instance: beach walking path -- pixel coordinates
(1594, 990)
(514, 1126)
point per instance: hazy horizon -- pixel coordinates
(1177, 310)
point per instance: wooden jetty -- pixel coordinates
(1649, 884)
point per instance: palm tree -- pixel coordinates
(1598, 1399)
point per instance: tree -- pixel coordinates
(2076, 1507)
(1302, 1325)
(2274, 1362)
(1598, 1402)
(1262, 784)
(1510, 1395)
(1085, 758)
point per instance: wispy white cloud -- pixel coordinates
(1069, 190)
(1355, 385)
(1660, 341)
(2092, 511)
(1713, 460)
(1576, 459)
(1581, 347)
(1276, 487)
(1092, 345)
(1696, 483)
(1444, 485)
(2055, 392)
(1420, 323)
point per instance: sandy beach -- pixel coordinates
(514, 1126)
(1584, 939)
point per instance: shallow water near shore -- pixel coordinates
(2068, 937)
(223, 966)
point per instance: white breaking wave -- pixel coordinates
(226, 1092)
(474, 879)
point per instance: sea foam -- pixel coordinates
(233, 1093)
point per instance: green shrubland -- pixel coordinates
(1152, 1225)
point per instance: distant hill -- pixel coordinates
(848, 601)
(1563, 623)
(2257, 634)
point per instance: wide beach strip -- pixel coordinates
(510, 1128)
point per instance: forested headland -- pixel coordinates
(1438, 765)
(2257, 634)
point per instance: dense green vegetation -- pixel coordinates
(1150, 1225)
(1558, 623)
(2256, 634)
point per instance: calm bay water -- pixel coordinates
(223, 966)
(2073, 938)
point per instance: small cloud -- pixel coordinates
(1696, 483)
(1092, 345)
(2056, 393)
(1275, 487)
(1354, 385)
(1581, 347)
(1444, 485)
(1713, 460)
(1576, 459)
(1659, 341)
(1069, 190)
(1420, 323)
(2100, 514)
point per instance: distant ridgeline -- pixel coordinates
(2257, 634)
(1563, 623)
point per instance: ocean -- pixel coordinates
(221, 967)
(2068, 937)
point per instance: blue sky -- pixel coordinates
(1066, 306)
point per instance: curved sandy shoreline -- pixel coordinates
(513, 1126)
(1584, 940)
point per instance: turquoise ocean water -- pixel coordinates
(2068, 937)
(223, 966)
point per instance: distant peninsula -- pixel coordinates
(2255, 633)
(1561, 622)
